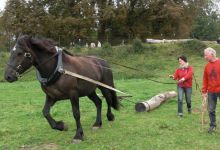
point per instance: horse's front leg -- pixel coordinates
(58, 125)
(76, 113)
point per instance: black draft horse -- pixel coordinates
(49, 62)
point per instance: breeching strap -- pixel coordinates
(92, 81)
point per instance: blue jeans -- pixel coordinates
(212, 101)
(187, 92)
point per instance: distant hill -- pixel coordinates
(156, 60)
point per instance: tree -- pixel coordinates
(4, 45)
(81, 21)
(206, 26)
(14, 19)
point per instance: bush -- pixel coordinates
(137, 46)
(121, 52)
(193, 46)
(77, 48)
(107, 49)
(149, 49)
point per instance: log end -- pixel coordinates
(140, 107)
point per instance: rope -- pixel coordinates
(142, 72)
(204, 107)
(197, 85)
(131, 68)
(204, 103)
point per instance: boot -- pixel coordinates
(211, 129)
(189, 111)
(180, 115)
(212, 124)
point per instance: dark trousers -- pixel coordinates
(212, 101)
(187, 92)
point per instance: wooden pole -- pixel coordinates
(155, 101)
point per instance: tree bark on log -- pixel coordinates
(155, 101)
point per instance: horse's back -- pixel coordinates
(90, 67)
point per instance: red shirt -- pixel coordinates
(185, 73)
(211, 77)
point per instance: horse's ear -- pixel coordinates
(20, 34)
(44, 45)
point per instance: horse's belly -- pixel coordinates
(54, 93)
(86, 89)
(64, 90)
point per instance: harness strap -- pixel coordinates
(92, 81)
(57, 72)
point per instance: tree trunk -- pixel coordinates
(155, 101)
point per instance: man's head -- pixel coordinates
(210, 54)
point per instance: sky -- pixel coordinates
(2, 4)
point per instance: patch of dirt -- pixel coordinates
(49, 146)
(196, 111)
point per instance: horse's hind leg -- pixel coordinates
(59, 125)
(107, 94)
(98, 103)
(76, 113)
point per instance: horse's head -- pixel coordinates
(28, 51)
(20, 60)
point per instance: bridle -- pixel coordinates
(20, 67)
(28, 56)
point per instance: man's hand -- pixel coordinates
(204, 95)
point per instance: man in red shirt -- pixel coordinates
(183, 75)
(211, 84)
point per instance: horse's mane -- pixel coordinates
(50, 44)
(68, 53)
(40, 43)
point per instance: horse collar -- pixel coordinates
(57, 72)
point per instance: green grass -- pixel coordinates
(22, 125)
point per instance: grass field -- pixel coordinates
(22, 125)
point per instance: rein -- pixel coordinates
(131, 68)
(142, 72)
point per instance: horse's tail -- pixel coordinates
(110, 95)
(115, 101)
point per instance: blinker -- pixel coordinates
(28, 55)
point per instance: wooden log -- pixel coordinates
(155, 101)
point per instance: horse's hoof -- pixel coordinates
(60, 125)
(111, 117)
(76, 141)
(94, 128)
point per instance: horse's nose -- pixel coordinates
(9, 78)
